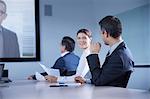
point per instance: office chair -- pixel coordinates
(66, 72)
(127, 77)
(122, 81)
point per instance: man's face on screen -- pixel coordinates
(2, 12)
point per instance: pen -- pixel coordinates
(58, 85)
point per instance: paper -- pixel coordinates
(53, 72)
(71, 84)
(39, 77)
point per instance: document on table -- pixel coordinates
(49, 71)
(39, 76)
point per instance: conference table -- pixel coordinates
(32, 89)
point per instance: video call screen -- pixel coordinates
(23, 19)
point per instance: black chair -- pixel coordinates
(122, 81)
(70, 73)
(126, 78)
(66, 72)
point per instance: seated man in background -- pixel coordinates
(118, 64)
(68, 62)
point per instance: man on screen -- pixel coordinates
(9, 47)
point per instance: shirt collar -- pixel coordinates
(63, 54)
(86, 52)
(112, 48)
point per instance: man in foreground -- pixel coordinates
(118, 64)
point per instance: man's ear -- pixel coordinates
(105, 33)
(64, 47)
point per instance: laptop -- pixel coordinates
(2, 78)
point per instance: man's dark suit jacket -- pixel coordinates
(67, 65)
(11, 46)
(115, 68)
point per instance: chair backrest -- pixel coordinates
(70, 73)
(122, 80)
(66, 73)
(126, 78)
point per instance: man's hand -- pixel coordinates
(51, 79)
(79, 79)
(95, 48)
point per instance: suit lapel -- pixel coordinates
(114, 52)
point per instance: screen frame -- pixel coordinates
(37, 32)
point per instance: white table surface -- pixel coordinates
(25, 89)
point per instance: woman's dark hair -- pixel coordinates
(86, 32)
(69, 43)
(111, 25)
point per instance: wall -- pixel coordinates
(103, 8)
(139, 79)
(136, 31)
(67, 18)
(136, 34)
(149, 41)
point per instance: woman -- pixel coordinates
(83, 40)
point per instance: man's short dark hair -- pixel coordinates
(111, 25)
(1, 1)
(69, 43)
